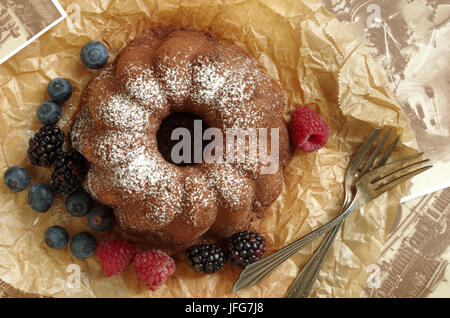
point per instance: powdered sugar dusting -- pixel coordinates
(228, 185)
(174, 75)
(121, 112)
(227, 88)
(142, 85)
(124, 154)
(81, 125)
(208, 77)
(199, 196)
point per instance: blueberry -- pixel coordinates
(101, 218)
(83, 245)
(94, 55)
(49, 113)
(59, 90)
(40, 197)
(56, 237)
(79, 203)
(17, 178)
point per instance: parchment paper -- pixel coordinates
(318, 63)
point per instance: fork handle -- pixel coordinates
(256, 272)
(302, 286)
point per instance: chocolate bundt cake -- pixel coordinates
(170, 70)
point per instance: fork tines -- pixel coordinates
(372, 152)
(388, 176)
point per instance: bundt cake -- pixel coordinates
(170, 70)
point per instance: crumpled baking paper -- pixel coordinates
(318, 63)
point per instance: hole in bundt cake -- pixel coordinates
(194, 127)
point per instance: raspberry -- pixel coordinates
(45, 146)
(153, 268)
(309, 131)
(115, 256)
(206, 258)
(246, 247)
(70, 169)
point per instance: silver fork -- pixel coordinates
(369, 187)
(255, 272)
(305, 281)
(354, 170)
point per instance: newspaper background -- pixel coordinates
(22, 21)
(409, 39)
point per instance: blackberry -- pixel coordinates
(246, 247)
(206, 258)
(70, 169)
(45, 146)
